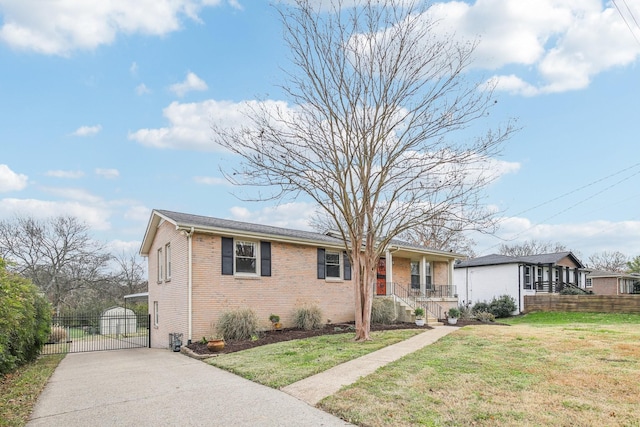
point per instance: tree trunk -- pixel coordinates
(364, 281)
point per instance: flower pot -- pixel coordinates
(452, 320)
(419, 322)
(215, 345)
(277, 326)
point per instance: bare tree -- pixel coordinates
(442, 235)
(609, 261)
(378, 97)
(58, 255)
(532, 247)
(130, 276)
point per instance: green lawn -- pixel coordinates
(281, 364)
(547, 369)
(20, 389)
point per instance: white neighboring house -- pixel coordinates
(483, 278)
(118, 321)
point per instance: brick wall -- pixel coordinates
(583, 303)
(604, 285)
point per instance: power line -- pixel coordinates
(625, 19)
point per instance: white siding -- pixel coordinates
(475, 284)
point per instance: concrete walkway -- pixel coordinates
(155, 387)
(315, 388)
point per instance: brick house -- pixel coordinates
(200, 267)
(610, 283)
(483, 278)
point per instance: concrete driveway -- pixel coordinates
(153, 387)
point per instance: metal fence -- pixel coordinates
(110, 330)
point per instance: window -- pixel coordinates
(588, 282)
(332, 265)
(155, 313)
(167, 254)
(539, 279)
(527, 277)
(415, 275)
(245, 257)
(160, 265)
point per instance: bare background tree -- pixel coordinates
(372, 137)
(442, 235)
(612, 261)
(59, 256)
(532, 247)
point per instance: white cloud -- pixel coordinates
(61, 27)
(565, 42)
(584, 238)
(11, 181)
(76, 194)
(295, 215)
(133, 69)
(142, 89)
(190, 123)
(107, 173)
(96, 216)
(191, 83)
(138, 213)
(210, 180)
(87, 130)
(65, 174)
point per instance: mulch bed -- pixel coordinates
(288, 334)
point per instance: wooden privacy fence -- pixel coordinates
(583, 303)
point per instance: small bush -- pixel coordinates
(465, 312)
(454, 312)
(237, 324)
(383, 311)
(571, 291)
(502, 306)
(58, 334)
(308, 318)
(480, 307)
(485, 316)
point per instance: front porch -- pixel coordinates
(436, 301)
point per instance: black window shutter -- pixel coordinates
(227, 256)
(347, 266)
(265, 259)
(321, 261)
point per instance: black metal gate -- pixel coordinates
(110, 330)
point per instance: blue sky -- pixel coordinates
(106, 108)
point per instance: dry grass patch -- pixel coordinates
(504, 376)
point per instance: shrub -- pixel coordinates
(383, 311)
(502, 306)
(308, 318)
(485, 316)
(465, 312)
(454, 312)
(419, 312)
(57, 334)
(480, 307)
(237, 324)
(571, 291)
(25, 317)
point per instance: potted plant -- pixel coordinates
(419, 313)
(275, 321)
(215, 342)
(453, 315)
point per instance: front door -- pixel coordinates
(381, 283)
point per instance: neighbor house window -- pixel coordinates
(155, 313)
(539, 279)
(527, 277)
(415, 275)
(160, 265)
(588, 282)
(332, 264)
(246, 257)
(167, 255)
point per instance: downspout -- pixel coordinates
(190, 284)
(519, 288)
